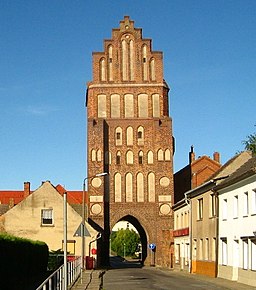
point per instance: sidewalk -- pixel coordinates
(90, 280)
(217, 281)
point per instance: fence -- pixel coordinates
(56, 280)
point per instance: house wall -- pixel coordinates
(181, 238)
(237, 241)
(24, 220)
(203, 236)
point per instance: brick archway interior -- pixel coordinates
(143, 236)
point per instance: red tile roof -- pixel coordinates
(73, 196)
(16, 196)
(7, 195)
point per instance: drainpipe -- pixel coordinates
(217, 235)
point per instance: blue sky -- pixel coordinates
(209, 62)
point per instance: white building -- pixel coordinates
(237, 225)
(181, 235)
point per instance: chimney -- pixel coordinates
(11, 202)
(216, 157)
(26, 189)
(191, 155)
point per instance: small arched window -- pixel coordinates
(150, 157)
(102, 69)
(167, 155)
(152, 69)
(93, 155)
(140, 157)
(160, 155)
(129, 157)
(129, 136)
(118, 187)
(115, 106)
(99, 158)
(151, 187)
(128, 187)
(118, 136)
(140, 187)
(118, 158)
(110, 62)
(140, 135)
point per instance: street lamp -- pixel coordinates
(83, 211)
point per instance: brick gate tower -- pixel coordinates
(130, 137)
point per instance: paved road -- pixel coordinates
(126, 275)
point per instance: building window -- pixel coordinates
(235, 208)
(93, 155)
(129, 157)
(151, 187)
(213, 249)
(150, 157)
(200, 209)
(140, 187)
(140, 135)
(128, 187)
(118, 187)
(160, 155)
(118, 158)
(213, 205)
(177, 254)
(246, 207)
(224, 247)
(129, 136)
(206, 249)
(245, 254)
(225, 209)
(177, 222)
(99, 155)
(253, 255)
(118, 136)
(140, 157)
(71, 246)
(201, 249)
(46, 217)
(253, 203)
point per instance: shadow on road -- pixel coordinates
(117, 262)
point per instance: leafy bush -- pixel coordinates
(21, 260)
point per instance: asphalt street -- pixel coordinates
(127, 275)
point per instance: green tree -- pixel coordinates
(124, 242)
(250, 143)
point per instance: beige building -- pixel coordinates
(204, 213)
(40, 217)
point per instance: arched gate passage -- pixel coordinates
(141, 232)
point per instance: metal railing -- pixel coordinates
(56, 280)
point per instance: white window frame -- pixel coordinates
(200, 208)
(253, 201)
(253, 254)
(246, 204)
(235, 207)
(224, 247)
(245, 254)
(47, 217)
(225, 209)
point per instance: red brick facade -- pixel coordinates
(130, 136)
(195, 173)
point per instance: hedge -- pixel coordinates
(21, 261)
